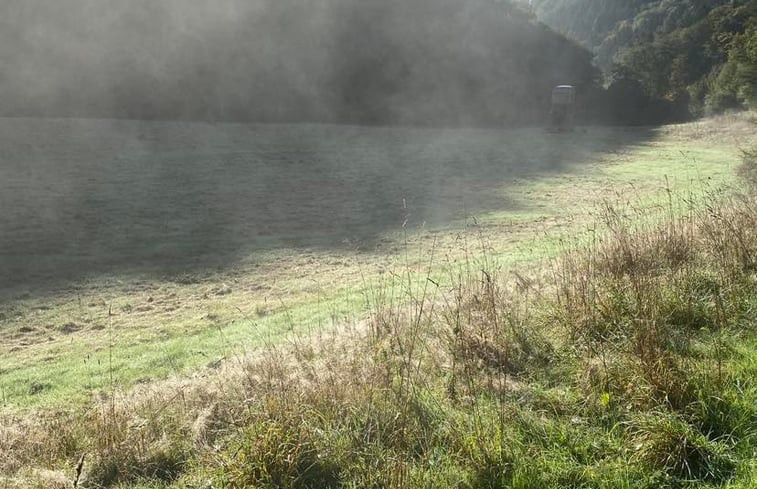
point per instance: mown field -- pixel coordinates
(139, 259)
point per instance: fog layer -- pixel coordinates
(370, 61)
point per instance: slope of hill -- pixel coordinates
(418, 61)
(530, 346)
(587, 21)
(699, 52)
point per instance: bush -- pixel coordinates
(665, 442)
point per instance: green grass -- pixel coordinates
(625, 360)
(540, 211)
(655, 400)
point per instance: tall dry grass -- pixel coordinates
(622, 367)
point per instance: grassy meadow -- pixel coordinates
(191, 305)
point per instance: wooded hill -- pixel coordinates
(442, 62)
(700, 55)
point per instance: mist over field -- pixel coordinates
(441, 62)
(176, 185)
(378, 243)
(151, 193)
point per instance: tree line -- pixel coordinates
(680, 58)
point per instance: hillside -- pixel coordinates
(580, 314)
(587, 21)
(410, 62)
(701, 54)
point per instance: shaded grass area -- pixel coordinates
(56, 345)
(628, 362)
(85, 197)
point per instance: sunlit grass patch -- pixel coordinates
(619, 352)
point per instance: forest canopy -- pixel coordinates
(697, 53)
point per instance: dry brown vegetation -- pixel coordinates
(630, 361)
